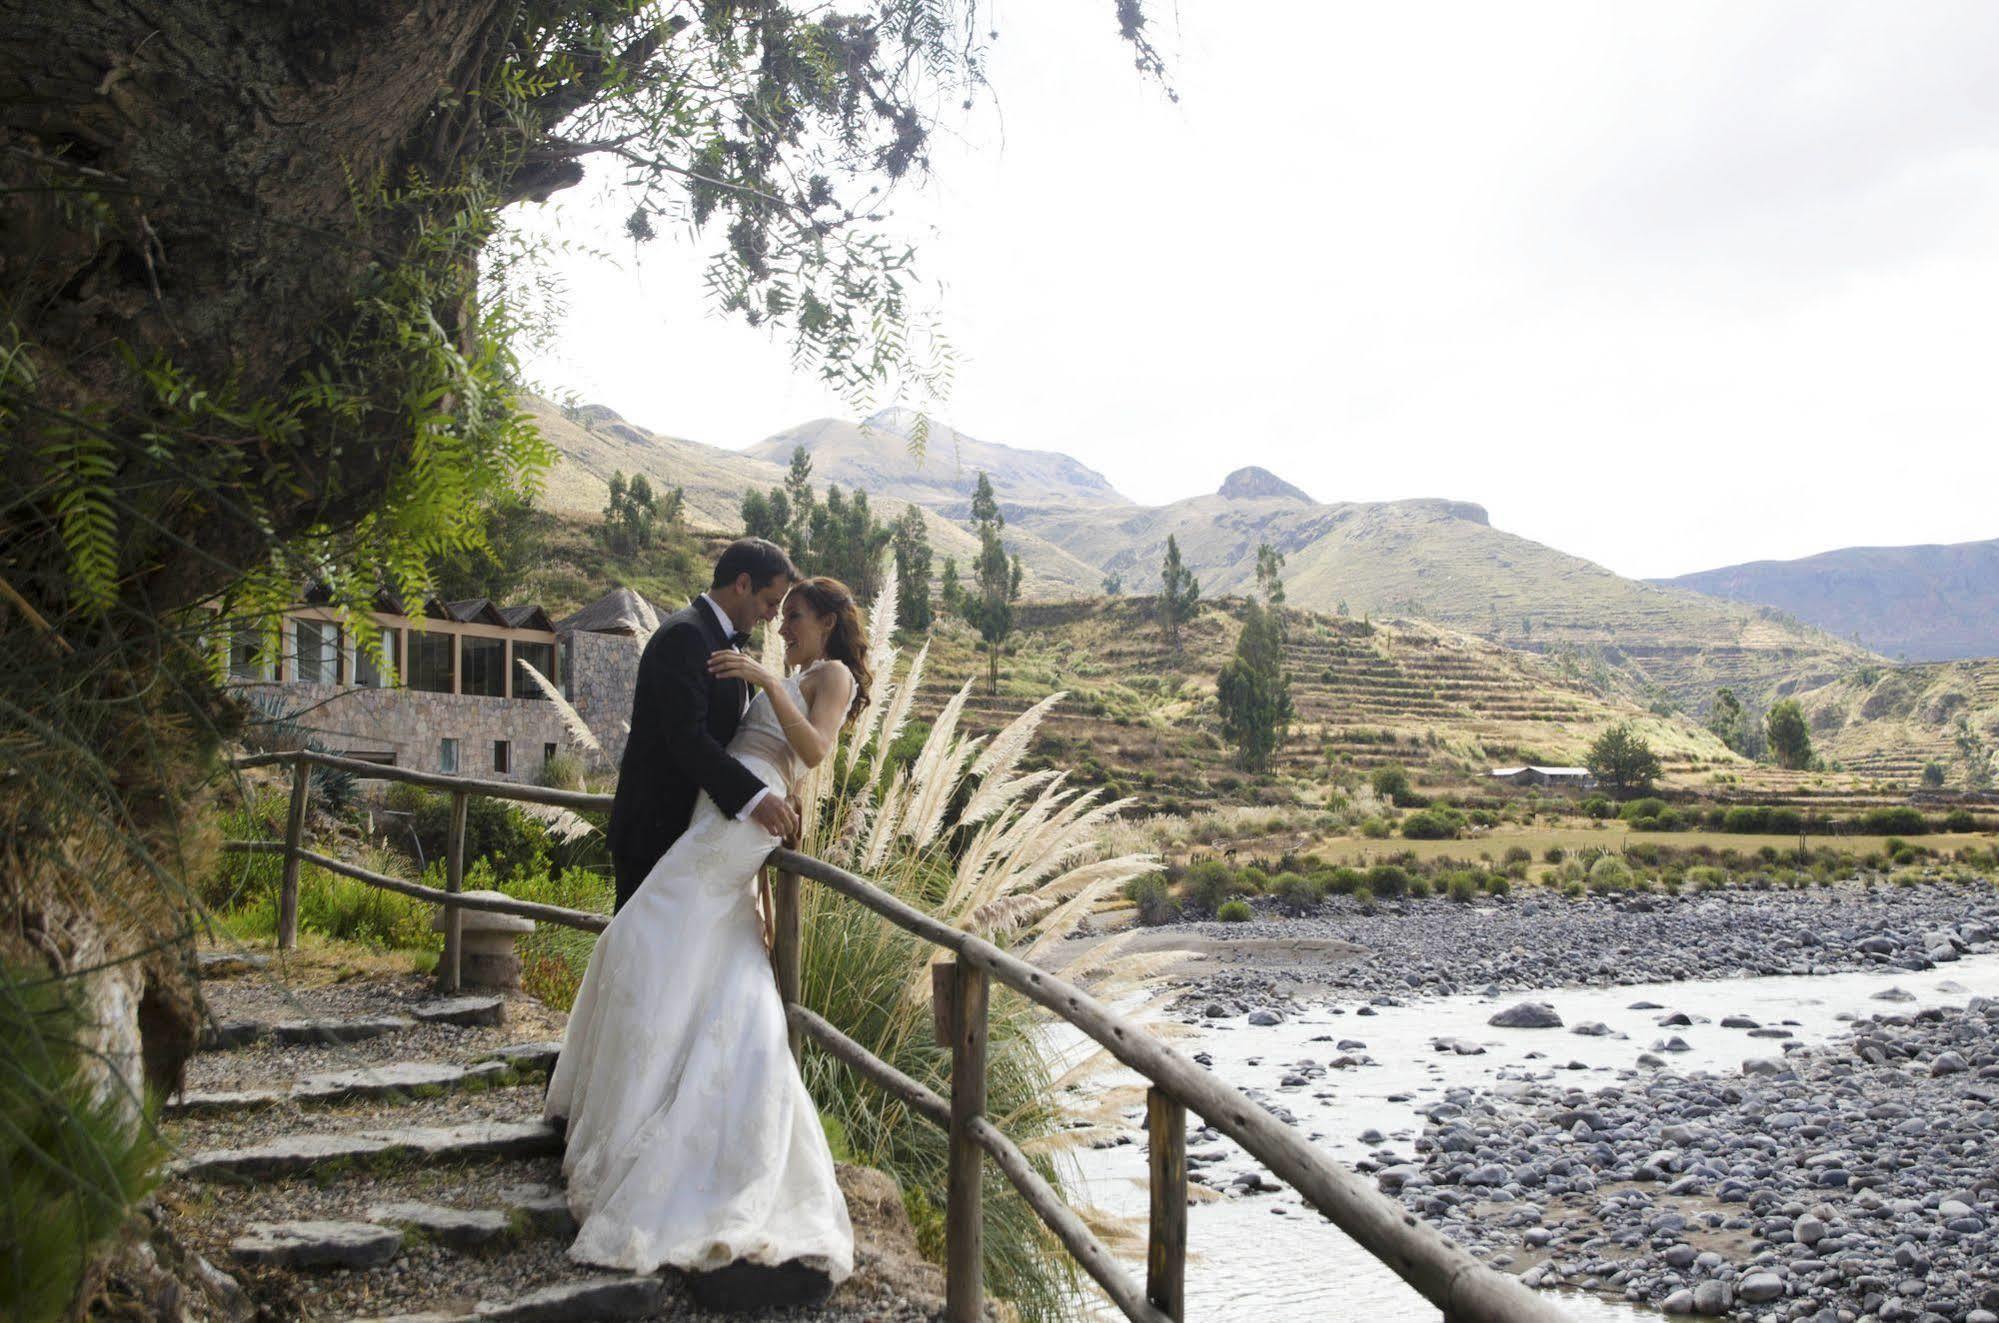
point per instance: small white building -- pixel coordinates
(1577, 777)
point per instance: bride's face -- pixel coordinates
(804, 631)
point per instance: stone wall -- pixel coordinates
(413, 724)
(603, 669)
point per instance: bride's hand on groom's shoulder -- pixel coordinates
(730, 665)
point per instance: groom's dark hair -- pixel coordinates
(761, 560)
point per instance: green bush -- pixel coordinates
(1364, 898)
(1376, 828)
(1573, 889)
(1517, 854)
(1746, 819)
(1597, 806)
(1959, 820)
(1430, 825)
(1554, 854)
(1703, 877)
(1392, 784)
(1295, 894)
(1644, 852)
(1896, 820)
(1462, 888)
(1154, 900)
(1908, 855)
(1647, 807)
(1342, 881)
(1252, 881)
(1387, 880)
(1786, 822)
(1496, 884)
(1234, 911)
(1209, 886)
(1609, 874)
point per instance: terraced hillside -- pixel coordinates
(1886, 723)
(1446, 706)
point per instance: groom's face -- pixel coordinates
(768, 600)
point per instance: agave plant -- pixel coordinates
(961, 832)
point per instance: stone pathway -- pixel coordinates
(367, 1150)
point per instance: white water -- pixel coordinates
(1270, 1258)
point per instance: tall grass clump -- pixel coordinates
(76, 1160)
(958, 831)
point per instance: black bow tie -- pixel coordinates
(739, 639)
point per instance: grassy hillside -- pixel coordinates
(1887, 722)
(1930, 603)
(1442, 705)
(592, 442)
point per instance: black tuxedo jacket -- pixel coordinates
(682, 718)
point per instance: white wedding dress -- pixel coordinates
(692, 1141)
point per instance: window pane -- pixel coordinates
(541, 656)
(246, 655)
(371, 675)
(447, 756)
(430, 662)
(485, 662)
(502, 756)
(316, 640)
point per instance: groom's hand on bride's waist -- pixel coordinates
(775, 816)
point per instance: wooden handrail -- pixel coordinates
(1462, 1287)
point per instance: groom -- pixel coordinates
(683, 718)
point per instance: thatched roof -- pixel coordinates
(620, 611)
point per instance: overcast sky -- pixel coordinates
(1666, 285)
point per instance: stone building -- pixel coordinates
(455, 696)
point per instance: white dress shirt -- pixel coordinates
(729, 631)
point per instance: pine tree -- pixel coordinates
(1179, 593)
(1269, 569)
(1729, 722)
(1252, 692)
(1790, 735)
(950, 592)
(912, 570)
(799, 505)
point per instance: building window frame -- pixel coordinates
(447, 755)
(503, 757)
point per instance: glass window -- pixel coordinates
(247, 659)
(447, 755)
(373, 676)
(430, 661)
(503, 756)
(485, 667)
(547, 754)
(541, 656)
(318, 643)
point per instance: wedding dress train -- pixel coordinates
(692, 1141)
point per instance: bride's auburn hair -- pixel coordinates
(848, 643)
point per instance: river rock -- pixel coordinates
(1591, 1029)
(1264, 1017)
(1759, 1287)
(1712, 1298)
(1527, 1015)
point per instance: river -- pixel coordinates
(1270, 1258)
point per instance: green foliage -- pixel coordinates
(1433, 824)
(1363, 897)
(1295, 894)
(1252, 693)
(1609, 873)
(76, 1165)
(1234, 911)
(1179, 593)
(1387, 880)
(1154, 900)
(1730, 722)
(1209, 884)
(1392, 784)
(1597, 806)
(1461, 887)
(912, 571)
(1896, 820)
(633, 513)
(989, 606)
(1113, 584)
(1959, 820)
(1641, 808)
(1269, 574)
(1622, 760)
(1789, 735)
(1933, 775)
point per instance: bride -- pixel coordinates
(692, 1141)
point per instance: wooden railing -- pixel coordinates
(1456, 1283)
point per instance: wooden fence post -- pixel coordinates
(454, 882)
(965, 990)
(1166, 1251)
(294, 839)
(786, 949)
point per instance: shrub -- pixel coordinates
(1597, 806)
(1209, 885)
(1609, 874)
(1234, 911)
(1430, 825)
(1647, 807)
(1461, 888)
(1252, 881)
(1786, 822)
(1392, 784)
(1746, 819)
(1895, 820)
(1386, 880)
(1705, 878)
(1376, 828)
(1154, 900)
(1420, 888)
(1517, 854)
(1573, 888)
(1497, 884)
(1342, 881)
(1364, 898)
(1959, 820)
(1295, 894)
(1908, 855)
(564, 772)
(1645, 852)
(1554, 854)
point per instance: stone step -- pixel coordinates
(295, 1155)
(399, 1081)
(386, 1228)
(468, 1011)
(528, 1058)
(225, 964)
(616, 1297)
